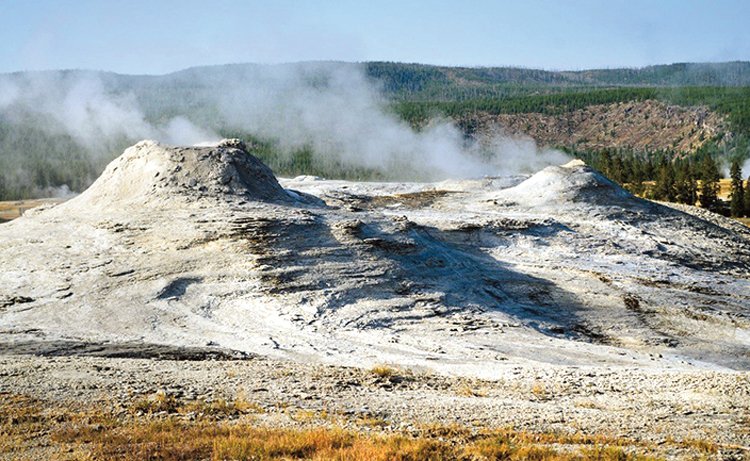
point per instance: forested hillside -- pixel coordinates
(422, 82)
(59, 129)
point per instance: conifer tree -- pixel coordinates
(709, 174)
(737, 197)
(747, 197)
(617, 170)
(605, 161)
(686, 189)
(665, 183)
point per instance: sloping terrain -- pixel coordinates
(633, 126)
(201, 247)
(426, 81)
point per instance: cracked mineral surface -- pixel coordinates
(203, 248)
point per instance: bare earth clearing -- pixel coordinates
(630, 125)
(557, 302)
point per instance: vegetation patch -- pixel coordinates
(384, 371)
(33, 429)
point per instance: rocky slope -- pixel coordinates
(202, 247)
(639, 126)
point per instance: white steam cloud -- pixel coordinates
(332, 109)
(81, 108)
(745, 170)
(345, 119)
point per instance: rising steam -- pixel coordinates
(79, 105)
(332, 109)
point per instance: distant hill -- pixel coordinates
(192, 88)
(423, 81)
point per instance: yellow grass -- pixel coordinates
(15, 208)
(539, 389)
(383, 371)
(163, 403)
(32, 429)
(468, 390)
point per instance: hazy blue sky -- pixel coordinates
(153, 36)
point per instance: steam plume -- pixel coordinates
(331, 108)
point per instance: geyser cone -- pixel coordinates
(573, 182)
(150, 173)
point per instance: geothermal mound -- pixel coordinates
(149, 173)
(202, 249)
(572, 182)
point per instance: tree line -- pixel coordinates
(692, 180)
(733, 102)
(739, 196)
(418, 82)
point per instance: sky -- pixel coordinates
(161, 36)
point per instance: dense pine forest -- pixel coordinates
(39, 158)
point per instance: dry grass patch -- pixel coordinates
(468, 390)
(155, 403)
(307, 416)
(161, 402)
(539, 390)
(370, 421)
(176, 440)
(12, 209)
(32, 429)
(587, 403)
(384, 371)
(704, 447)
